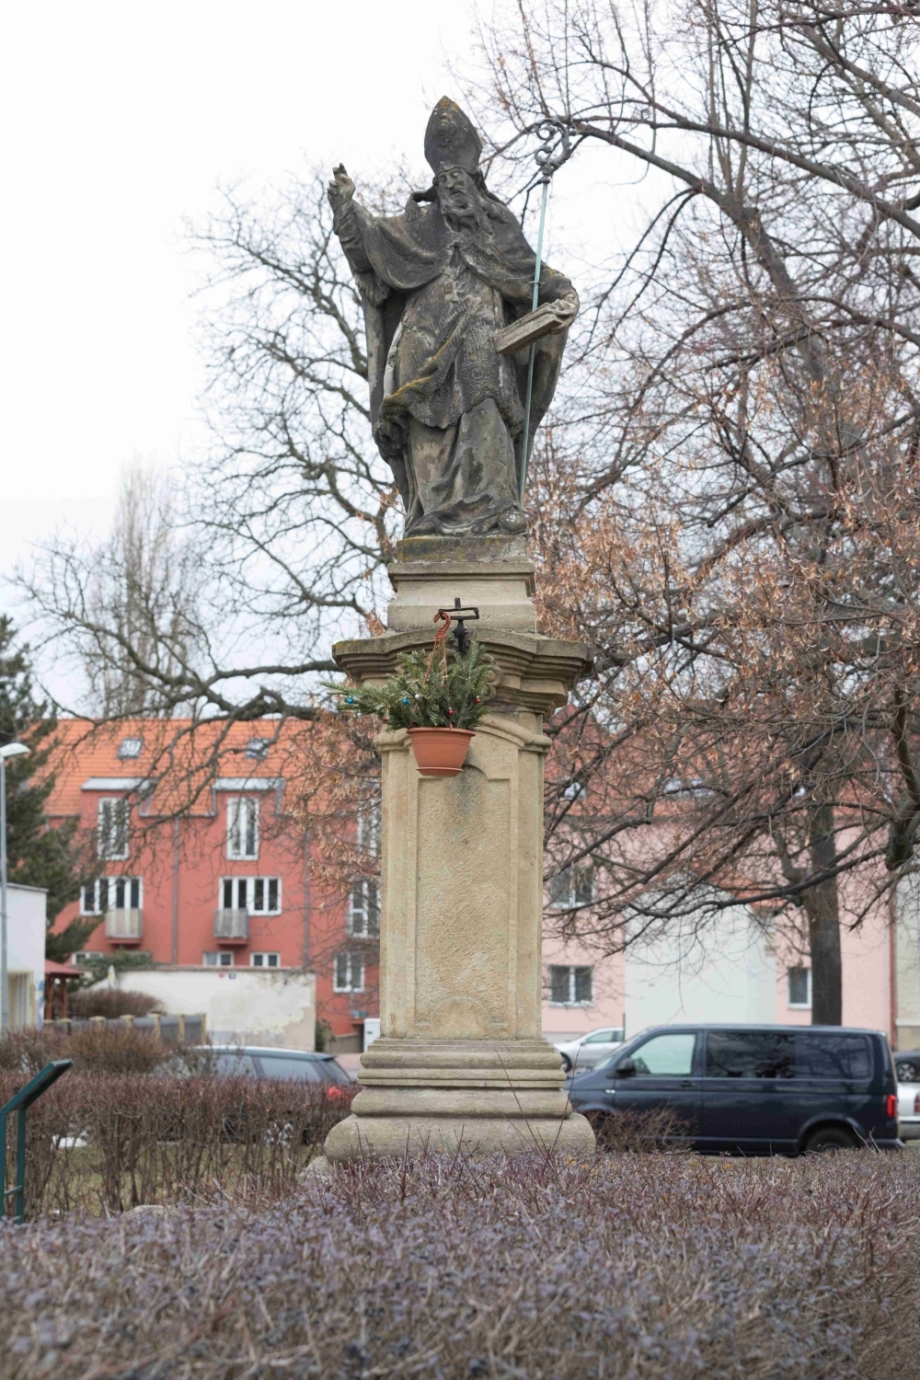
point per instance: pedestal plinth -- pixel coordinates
(461, 1061)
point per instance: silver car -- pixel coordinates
(588, 1050)
(909, 1110)
(907, 1065)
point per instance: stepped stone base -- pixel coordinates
(475, 1096)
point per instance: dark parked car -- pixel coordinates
(313, 1090)
(907, 1065)
(753, 1089)
(289, 1065)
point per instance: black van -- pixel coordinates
(758, 1089)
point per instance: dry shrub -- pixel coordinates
(101, 1049)
(25, 1051)
(653, 1267)
(111, 1003)
(93, 1048)
(104, 1142)
(634, 1132)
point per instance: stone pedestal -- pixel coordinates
(461, 1060)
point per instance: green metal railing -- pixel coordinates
(21, 1103)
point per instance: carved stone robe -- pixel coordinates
(447, 408)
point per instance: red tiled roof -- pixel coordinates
(186, 756)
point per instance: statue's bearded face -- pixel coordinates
(461, 203)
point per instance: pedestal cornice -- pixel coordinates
(536, 672)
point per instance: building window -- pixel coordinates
(348, 973)
(571, 986)
(112, 831)
(130, 747)
(243, 827)
(221, 959)
(573, 886)
(364, 909)
(369, 832)
(265, 960)
(258, 748)
(111, 893)
(257, 895)
(799, 988)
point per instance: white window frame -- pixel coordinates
(244, 894)
(354, 966)
(798, 1005)
(217, 958)
(570, 968)
(110, 833)
(364, 908)
(257, 960)
(105, 891)
(564, 887)
(130, 748)
(242, 828)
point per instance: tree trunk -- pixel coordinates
(823, 911)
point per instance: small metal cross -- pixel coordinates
(459, 616)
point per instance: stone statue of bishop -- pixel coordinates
(437, 283)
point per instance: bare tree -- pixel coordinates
(221, 598)
(215, 600)
(300, 509)
(731, 513)
(142, 586)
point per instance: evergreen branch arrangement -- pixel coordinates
(427, 690)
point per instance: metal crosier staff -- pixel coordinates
(549, 157)
(10, 750)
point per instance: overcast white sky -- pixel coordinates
(120, 119)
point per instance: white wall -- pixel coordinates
(26, 945)
(251, 1006)
(726, 972)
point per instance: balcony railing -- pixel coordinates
(124, 926)
(231, 926)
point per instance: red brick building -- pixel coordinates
(202, 864)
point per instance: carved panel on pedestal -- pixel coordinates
(464, 884)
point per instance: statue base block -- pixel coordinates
(491, 573)
(474, 1096)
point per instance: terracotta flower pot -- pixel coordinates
(440, 751)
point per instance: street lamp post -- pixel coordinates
(10, 750)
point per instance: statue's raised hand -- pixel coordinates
(341, 188)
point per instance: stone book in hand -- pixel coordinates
(527, 329)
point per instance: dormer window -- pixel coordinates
(112, 828)
(257, 747)
(243, 827)
(130, 747)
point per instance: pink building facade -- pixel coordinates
(737, 969)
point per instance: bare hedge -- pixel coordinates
(98, 1049)
(110, 1003)
(631, 1267)
(104, 1142)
